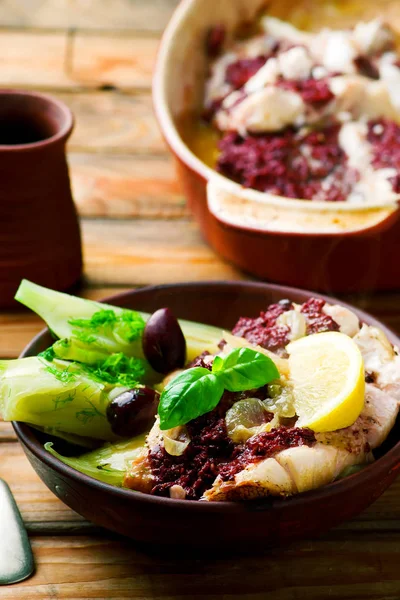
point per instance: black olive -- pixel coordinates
(286, 304)
(164, 344)
(133, 411)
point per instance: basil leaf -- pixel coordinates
(245, 369)
(189, 395)
(217, 364)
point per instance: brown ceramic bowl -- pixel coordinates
(163, 520)
(316, 245)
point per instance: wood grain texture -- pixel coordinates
(16, 330)
(36, 59)
(87, 14)
(115, 122)
(6, 432)
(126, 186)
(143, 251)
(33, 60)
(121, 60)
(103, 567)
(36, 503)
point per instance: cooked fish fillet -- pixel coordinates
(380, 359)
(304, 468)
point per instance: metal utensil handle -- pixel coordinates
(16, 558)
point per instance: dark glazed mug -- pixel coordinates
(39, 228)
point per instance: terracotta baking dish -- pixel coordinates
(212, 525)
(325, 246)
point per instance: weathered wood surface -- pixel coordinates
(138, 15)
(97, 56)
(127, 252)
(104, 567)
(125, 186)
(73, 60)
(113, 122)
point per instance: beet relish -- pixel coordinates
(289, 164)
(264, 445)
(317, 320)
(315, 92)
(265, 331)
(384, 136)
(210, 446)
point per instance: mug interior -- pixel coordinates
(28, 119)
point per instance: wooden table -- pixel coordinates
(97, 56)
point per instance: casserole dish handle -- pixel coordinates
(250, 210)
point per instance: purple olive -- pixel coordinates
(133, 411)
(164, 344)
(286, 304)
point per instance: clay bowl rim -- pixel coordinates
(385, 464)
(62, 134)
(183, 153)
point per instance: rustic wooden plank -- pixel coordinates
(36, 502)
(33, 60)
(90, 14)
(16, 330)
(143, 251)
(102, 567)
(125, 61)
(51, 60)
(126, 186)
(6, 432)
(113, 121)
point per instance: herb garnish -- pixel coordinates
(48, 354)
(127, 326)
(62, 375)
(197, 391)
(118, 369)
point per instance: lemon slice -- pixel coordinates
(327, 374)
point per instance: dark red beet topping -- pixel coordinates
(239, 72)
(199, 361)
(197, 468)
(384, 135)
(317, 320)
(265, 445)
(313, 91)
(288, 165)
(210, 446)
(263, 330)
(215, 41)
